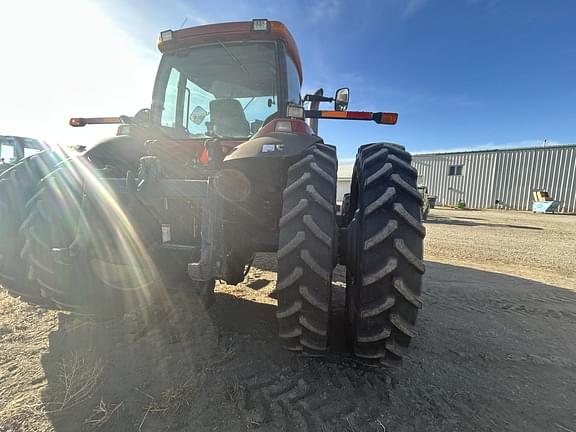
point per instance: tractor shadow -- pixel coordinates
(481, 336)
(472, 222)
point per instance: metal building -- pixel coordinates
(480, 178)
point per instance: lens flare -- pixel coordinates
(98, 232)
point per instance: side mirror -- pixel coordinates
(143, 116)
(341, 99)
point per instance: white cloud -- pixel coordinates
(324, 9)
(411, 7)
(486, 3)
(192, 18)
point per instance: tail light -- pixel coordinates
(283, 126)
(286, 126)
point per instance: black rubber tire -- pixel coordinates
(17, 186)
(384, 279)
(345, 207)
(306, 252)
(55, 217)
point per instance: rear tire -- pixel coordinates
(17, 186)
(384, 272)
(306, 254)
(102, 269)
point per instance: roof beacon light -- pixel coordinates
(166, 35)
(260, 25)
(295, 111)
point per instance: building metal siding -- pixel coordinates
(342, 187)
(509, 176)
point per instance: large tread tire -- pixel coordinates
(17, 186)
(306, 253)
(95, 280)
(385, 279)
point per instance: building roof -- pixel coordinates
(345, 167)
(494, 150)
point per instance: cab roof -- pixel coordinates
(232, 31)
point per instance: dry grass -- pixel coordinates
(79, 379)
(25, 404)
(102, 413)
(25, 411)
(79, 382)
(175, 398)
(233, 389)
(23, 331)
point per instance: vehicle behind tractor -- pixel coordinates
(13, 149)
(225, 163)
(426, 201)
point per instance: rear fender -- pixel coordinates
(265, 161)
(277, 145)
(123, 152)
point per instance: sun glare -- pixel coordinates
(65, 58)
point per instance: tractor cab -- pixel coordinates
(225, 80)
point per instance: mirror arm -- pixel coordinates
(317, 98)
(315, 105)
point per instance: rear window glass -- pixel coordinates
(7, 153)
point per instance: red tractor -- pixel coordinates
(225, 163)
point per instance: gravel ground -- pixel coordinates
(541, 247)
(496, 350)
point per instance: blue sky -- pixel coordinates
(461, 73)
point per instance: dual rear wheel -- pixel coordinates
(63, 250)
(382, 252)
(83, 248)
(17, 187)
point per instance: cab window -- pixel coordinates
(226, 90)
(293, 81)
(170, 99)
(30, 146)
(7, 150)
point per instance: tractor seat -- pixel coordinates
(228, 119)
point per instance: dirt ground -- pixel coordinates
(496, 350)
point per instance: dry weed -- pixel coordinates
(102, 413)
(79, 379)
